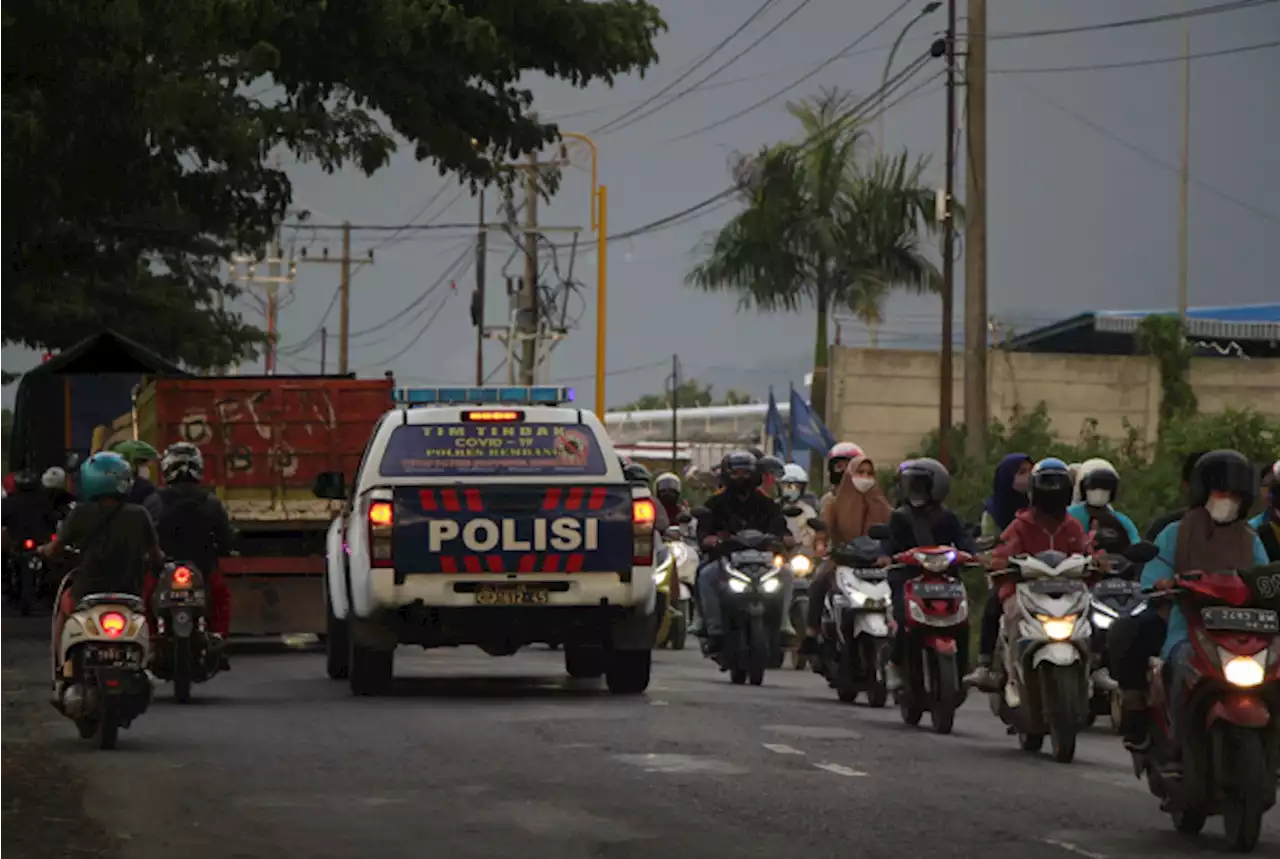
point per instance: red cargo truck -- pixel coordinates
(264, 439)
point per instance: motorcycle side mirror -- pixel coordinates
(674, 533)
(879, 532)
(1142, 552)
(817, 524)
(790, 512)
(684, 518)
(985, 543)
(73, 461)
(700, 512)
(330, 485)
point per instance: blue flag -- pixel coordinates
(775, 431)
(806, 428)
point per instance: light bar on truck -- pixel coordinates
(535, 395)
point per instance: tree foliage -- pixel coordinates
(1163, 338)
(138, 135)
(823, 225)
(690, 394)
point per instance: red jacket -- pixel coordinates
(1031, 533)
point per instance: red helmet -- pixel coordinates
(844, 450)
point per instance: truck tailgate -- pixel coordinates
(513, 528)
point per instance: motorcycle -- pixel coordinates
(1227, 714)
(186, 651)
(752, 605)
(28, 578)
(936, 611)
(801, 568)
(857, 624)
(1114, 597)
(100, 679)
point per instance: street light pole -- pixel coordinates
(948, 247)
(929, 8)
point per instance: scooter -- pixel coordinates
(1114, 597)
(28, 577)
(802, 566)
(752, 606)
(1228, 714)
(857, 624)
(186, 651)
(100, 679)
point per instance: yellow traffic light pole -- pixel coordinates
(600, 225)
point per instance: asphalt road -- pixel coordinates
(484, 757)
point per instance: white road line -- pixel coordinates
(779, 749)
(839, 769)
(1073, 848)
(658, 704)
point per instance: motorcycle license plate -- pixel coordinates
(1055, 586)
(939, 590)
(751, 557)
(512, 595)
(1225, 619)
(1114, 587)
(183, 597)
(871, 574)
(102, 657)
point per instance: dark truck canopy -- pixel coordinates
(60, 402)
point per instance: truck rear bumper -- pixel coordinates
(585, 590)
(503, 630)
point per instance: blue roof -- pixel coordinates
(1235, 313)
(1110, 332)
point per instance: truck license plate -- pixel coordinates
(512, 595)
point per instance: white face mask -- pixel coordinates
(144, 472)
(864, 483)
(1097, 497)
(1223, 510)
(918, 502)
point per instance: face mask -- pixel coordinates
(1097, 497)
(1223, 510)
(917, 502)
(791, 493)
(1021, 483)
(864, 484)
(144, 472)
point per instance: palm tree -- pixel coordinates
(823, 226)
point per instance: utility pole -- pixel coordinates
(1184, 177)
(675, 408)
(344, 292)
(477, 303)
(324, 348)
(976, 409)
(529, 288)
(948, 246)
(272, 280)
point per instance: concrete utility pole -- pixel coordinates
(977, 411)
(344, 293)
(529, 288)
(272, 280)
(482, 250)
(948, 247)
(1184, 186)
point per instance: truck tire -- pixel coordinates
(584, 663)
(628, 671)
(336, 645)
(370, 664)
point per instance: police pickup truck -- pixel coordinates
(497, 517)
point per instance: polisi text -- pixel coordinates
(563, 534)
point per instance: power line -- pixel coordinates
(421, 299)
(1130, 64)
(764, 7)
(718, 69)
(427, 325)
(1138, 150)
(795, 83)
(1232, 6)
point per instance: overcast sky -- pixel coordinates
(1083, 199)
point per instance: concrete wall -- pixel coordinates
(887, 400)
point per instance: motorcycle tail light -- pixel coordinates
(113, 624)
(28, 544)
(182, 577)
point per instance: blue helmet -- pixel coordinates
(1051, 486)
(105, 474)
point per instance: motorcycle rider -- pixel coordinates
(54, 481)
(140, 455)
(838, 459)
(116, 539)
(193, 526)
(738, 505)
(792, 490)
(667, 489)
(1267, 523)
(922, 519)
(1212, 536)
(772, 472)
(28, 513)
(859, 505)
(1163, 521)
(1008, 493)
(1097, 485)
(1042, 527)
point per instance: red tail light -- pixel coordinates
(382, 520)
(113, 624)
(181, 577)
(643, 515)
(28, 543)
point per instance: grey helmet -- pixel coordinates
(182, 462)
(925, 479)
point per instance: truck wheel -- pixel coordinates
(370, 667)
(584, 663)
(628, 671)
(336, 645)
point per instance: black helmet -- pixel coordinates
(1051, 486)
(772, 465)
(740, 471)
(921, 481)
(26, 480)
(1224, 471)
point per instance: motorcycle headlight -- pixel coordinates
(1244, 671)
(770, 586)
(737, 585)
(1058, 628)
(1101, 620)
(935, 563)
(801, 565)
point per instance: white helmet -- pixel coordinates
(54, 478)
(1097, 476)
(182, 461)
(794, 481)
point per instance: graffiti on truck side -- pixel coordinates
(267, 415)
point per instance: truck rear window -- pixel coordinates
(492, 449)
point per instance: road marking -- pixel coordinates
(779, 749)
(658, 704)
(839, 769)
(813, 732)
(1073, 848)
(677, 764)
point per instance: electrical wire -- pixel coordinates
(652, 365)
(420, 301)
(426, 326)
(1218, 8)
(795, 83)
(1138, 150)
(717, 70)
(1132, 64)
(764, 7)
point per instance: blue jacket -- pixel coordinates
(1081, 512)
(1258, 521)
(1162, 568)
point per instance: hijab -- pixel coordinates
(850, 514)
(1205, 545)
(1005, 501)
